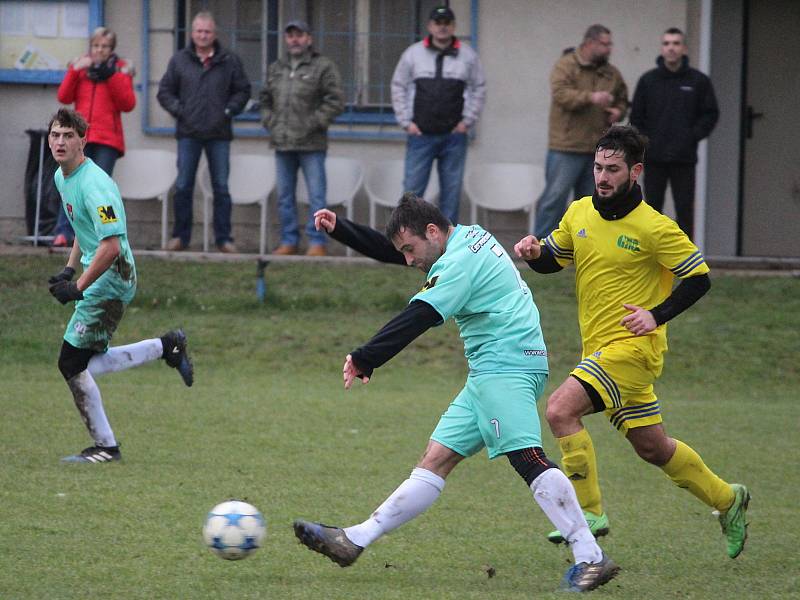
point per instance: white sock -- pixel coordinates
(556, 497)
(120, 358)
(412, 498)
(89, 403)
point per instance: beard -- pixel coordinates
(618, 194)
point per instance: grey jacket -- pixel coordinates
(298, 106)
(204, 100)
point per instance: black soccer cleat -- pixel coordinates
(95, 454)
(329, 541)
(176, 356)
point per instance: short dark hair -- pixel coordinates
(625, 139)
(413, 214)
(595, 31)
(66, 117)
(674, 31)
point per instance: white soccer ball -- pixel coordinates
(234, 530)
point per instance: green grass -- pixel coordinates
(268, 422)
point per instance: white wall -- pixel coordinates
(518, 41)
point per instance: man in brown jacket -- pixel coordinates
(302, 97)
(588, 96)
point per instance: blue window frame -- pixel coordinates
(51, 76)
(363, 37)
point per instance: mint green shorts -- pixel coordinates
(496, 411)
(97, 316)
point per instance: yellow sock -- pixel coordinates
(580, 465)
(687, 470)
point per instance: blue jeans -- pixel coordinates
(313, 165)
(218, 154)
(104, 157)
(564, 172)
(450, 152)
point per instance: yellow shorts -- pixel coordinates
(623, 374)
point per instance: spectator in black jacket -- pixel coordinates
(204, 87)
(674, 105)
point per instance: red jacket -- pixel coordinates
(100, 103)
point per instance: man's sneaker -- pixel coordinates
(95, 454)
(584, 577)
(330, 541)
(175, 354)
(734, 521)
(598, 525)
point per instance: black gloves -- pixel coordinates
(66, 275)
(62, 288)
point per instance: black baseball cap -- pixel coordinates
(297, 24)
(442, 12)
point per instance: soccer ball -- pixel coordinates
(234, 530)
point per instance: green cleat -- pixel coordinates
(734, 521)
(598, 525)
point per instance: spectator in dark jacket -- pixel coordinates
(674, 105)
(204, 87)
(100, 83)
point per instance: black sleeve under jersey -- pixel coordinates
(546, 263)
(398, 333)
(366, 241)
(688, 291)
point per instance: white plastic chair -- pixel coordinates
(344, 178)
(504, 187)
(384, 186)
(147, 175)
(251, 181)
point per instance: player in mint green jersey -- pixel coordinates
(105, 287)
(471, 279)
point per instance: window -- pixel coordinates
(38, 39)
(365, 39)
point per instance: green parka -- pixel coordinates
(297, 106)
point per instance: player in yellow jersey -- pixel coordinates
(626, 256)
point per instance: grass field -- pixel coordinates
(268, 422)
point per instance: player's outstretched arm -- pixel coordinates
(537, 255)
(362, 239)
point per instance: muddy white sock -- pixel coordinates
(555, 495)
(120, 358)
(87, 399)
(411, 499)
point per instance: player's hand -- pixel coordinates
(66, 275)
(66, 291)
(640, 321)
(83, 62)
(528, 248)
(325, 219)
(350, 372)
(412, 129)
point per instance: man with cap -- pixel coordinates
(302, 97)
(438, 91)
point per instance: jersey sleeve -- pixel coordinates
(104, 205)
(560, 240)
(447, 289)
(676, 252)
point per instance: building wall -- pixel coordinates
(518, 41)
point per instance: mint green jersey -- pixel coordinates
(476, 283)
(94, 207)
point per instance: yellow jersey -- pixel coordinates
(632, 260)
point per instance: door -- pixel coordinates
(771, 186)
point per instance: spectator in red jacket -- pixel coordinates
(101, 86)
